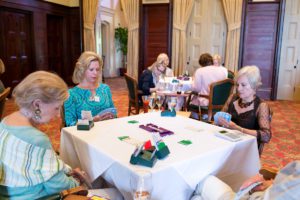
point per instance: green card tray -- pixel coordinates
(163, 152)
(144, 159)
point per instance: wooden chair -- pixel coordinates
(133, 93)
(3, 96)
(219, 93)
(230, 74)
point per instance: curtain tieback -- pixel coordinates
(89, 26)
(234, 26)
(179, 27)
(133, 27)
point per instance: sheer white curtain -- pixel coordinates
(233, 13)
(90, 8)
(131, 11)
(181, 13)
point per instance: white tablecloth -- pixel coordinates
(100, 152)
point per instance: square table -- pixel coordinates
(100, 152)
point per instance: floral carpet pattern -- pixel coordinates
(283, 148)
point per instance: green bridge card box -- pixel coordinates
(162, 153)
(144, 158)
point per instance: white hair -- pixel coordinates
(253, 75)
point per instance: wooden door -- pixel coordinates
(155, 33)
(55, 44)
(259, 44)
(16, 48)
(289, 71)
(206, 32)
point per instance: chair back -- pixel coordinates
(132, 86)
(3, 96)
(230, 74)
(219, 93)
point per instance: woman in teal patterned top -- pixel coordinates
(29, 167)
(90, 94)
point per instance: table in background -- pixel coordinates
(168, 88)
(100, 152)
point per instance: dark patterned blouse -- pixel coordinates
(257, 117)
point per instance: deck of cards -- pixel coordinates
(224, 115)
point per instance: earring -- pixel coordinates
(37, 114)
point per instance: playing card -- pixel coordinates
(224, 115)
(185, 142)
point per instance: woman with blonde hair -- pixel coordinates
(164, 60)
(90, 94)
(29, 167)
(250, 114)
(217, 60)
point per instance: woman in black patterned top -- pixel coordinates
(249, 114)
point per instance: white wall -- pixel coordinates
(109, 17)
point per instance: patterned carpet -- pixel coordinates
(283, 148)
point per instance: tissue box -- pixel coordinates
(85, 127)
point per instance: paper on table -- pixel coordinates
(231, 136)
(131, 140)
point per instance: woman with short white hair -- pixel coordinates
(29, 167)
(249, 114)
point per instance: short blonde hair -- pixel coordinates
(46, 86)
(83, 64)
(218, 57)
(253, 75)
(2, 67)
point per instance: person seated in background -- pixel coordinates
(249, 114)
(29, 167)
(204, 76)
(217, 60)
(286, 185)
(149, 79)
(90, 94)
(2, 70)
(164, 60)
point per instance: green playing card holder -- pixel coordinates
(143, 158)
(162, 153)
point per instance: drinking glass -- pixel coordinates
(141, 185)
(145, 103)
(172, 102)
(152, 102)
(159, 101)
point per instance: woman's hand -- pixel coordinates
(105, 116)
(253, 179)
(223, 122)
(81, 176)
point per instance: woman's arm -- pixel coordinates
(264, 133)
(146, 82)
